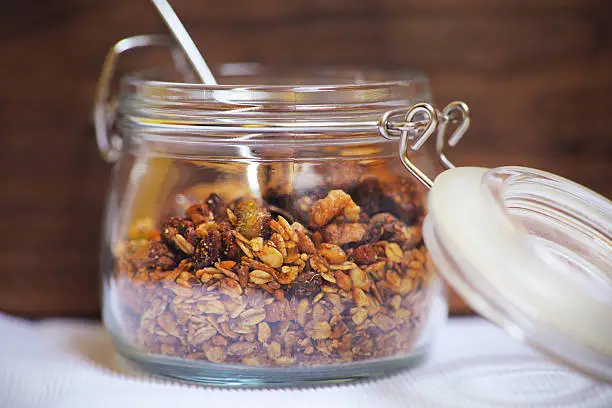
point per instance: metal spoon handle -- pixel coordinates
(182, 37)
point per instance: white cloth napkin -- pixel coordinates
(70, 363)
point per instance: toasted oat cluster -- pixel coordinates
(321, 278)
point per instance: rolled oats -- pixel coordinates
(231, 284)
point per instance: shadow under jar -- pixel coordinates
(268, 235)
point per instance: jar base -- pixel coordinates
(134, 363)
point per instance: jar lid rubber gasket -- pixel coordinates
(532, 252)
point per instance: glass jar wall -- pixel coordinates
(267, 234)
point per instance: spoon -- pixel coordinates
(184, 40)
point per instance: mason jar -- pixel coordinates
(265, 231)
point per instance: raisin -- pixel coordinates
(364, 255)
(307, 284)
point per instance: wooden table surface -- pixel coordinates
(536, 74)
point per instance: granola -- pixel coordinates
(238, 283)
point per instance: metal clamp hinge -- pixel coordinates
(419, 122)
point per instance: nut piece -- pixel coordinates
(318, 330)
(341, 234)
(288, 274)
(319, 264)
(305, 244)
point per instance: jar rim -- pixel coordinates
(318, 102)
(354, 78)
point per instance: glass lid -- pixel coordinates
(532, 252)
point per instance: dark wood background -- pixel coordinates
(537, 75)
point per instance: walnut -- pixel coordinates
(335, 203)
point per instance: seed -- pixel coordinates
(259, 277)
(182, 244)
(318, 330)
(244, 249)
(394, 252)
(328, 276)
(231, 217)
(270, 256)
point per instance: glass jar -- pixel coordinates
(269, 234)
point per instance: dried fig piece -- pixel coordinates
(208, 250)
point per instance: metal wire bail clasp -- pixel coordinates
(413, 134)
(104, 111)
